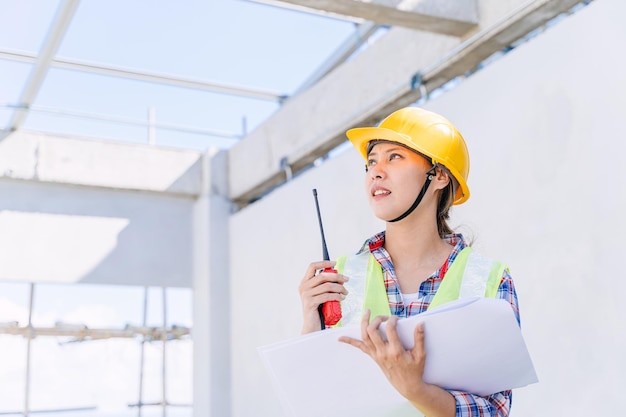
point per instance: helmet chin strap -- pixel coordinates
(429, 177)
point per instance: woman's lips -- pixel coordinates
(379, 192)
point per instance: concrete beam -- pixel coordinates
(365, 89)
(449, 17)
(342, 54)
(92, 163)
(310, 125)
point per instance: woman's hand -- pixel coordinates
(404, 368)
(316, 288)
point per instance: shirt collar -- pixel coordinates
(378, 240)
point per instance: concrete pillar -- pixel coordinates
(211, 311)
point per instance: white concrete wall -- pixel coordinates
(545, 130)
(272, 243)
(77, 211)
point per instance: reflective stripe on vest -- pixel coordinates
(470, 275)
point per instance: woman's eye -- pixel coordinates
(371, 162)
(394, 156)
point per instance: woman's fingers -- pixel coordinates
(373, 334)
(392, 331)
(419, 350)
(321, 287)
(353, 342)
(313, 267)
(318, 287)
(328, 287)
(365, 321)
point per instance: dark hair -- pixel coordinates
(446, 199)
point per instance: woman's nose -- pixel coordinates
(376, 171)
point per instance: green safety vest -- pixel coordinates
(470, 275)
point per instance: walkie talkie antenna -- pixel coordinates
(319, 219)
(330, 311)
(320, 308)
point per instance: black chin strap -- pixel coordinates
(429, 177)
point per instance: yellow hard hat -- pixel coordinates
(425, 132)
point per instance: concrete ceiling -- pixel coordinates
(454, 18)
(428, 44)
(425, 44)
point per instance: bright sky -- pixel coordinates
(234, 42)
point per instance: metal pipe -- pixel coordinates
(127, 121)
(83, 333)
(151, 123)
(153, 77)
(164, 343)
(28, 345)
(46, 55)
(143, 351)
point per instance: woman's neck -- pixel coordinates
(416, 250)
(414, 237)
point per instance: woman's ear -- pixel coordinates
(441, 179)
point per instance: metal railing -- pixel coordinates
(150, 123)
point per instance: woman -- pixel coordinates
(417, 167)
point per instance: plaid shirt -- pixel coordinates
(467, 405)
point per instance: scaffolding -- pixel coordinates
(80, 333)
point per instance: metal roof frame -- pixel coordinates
(52, 41)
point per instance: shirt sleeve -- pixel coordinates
(498, 404)
(506, 291)
(494, 405)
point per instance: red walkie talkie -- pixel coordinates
(330, 311)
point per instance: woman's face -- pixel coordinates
(394, 178)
